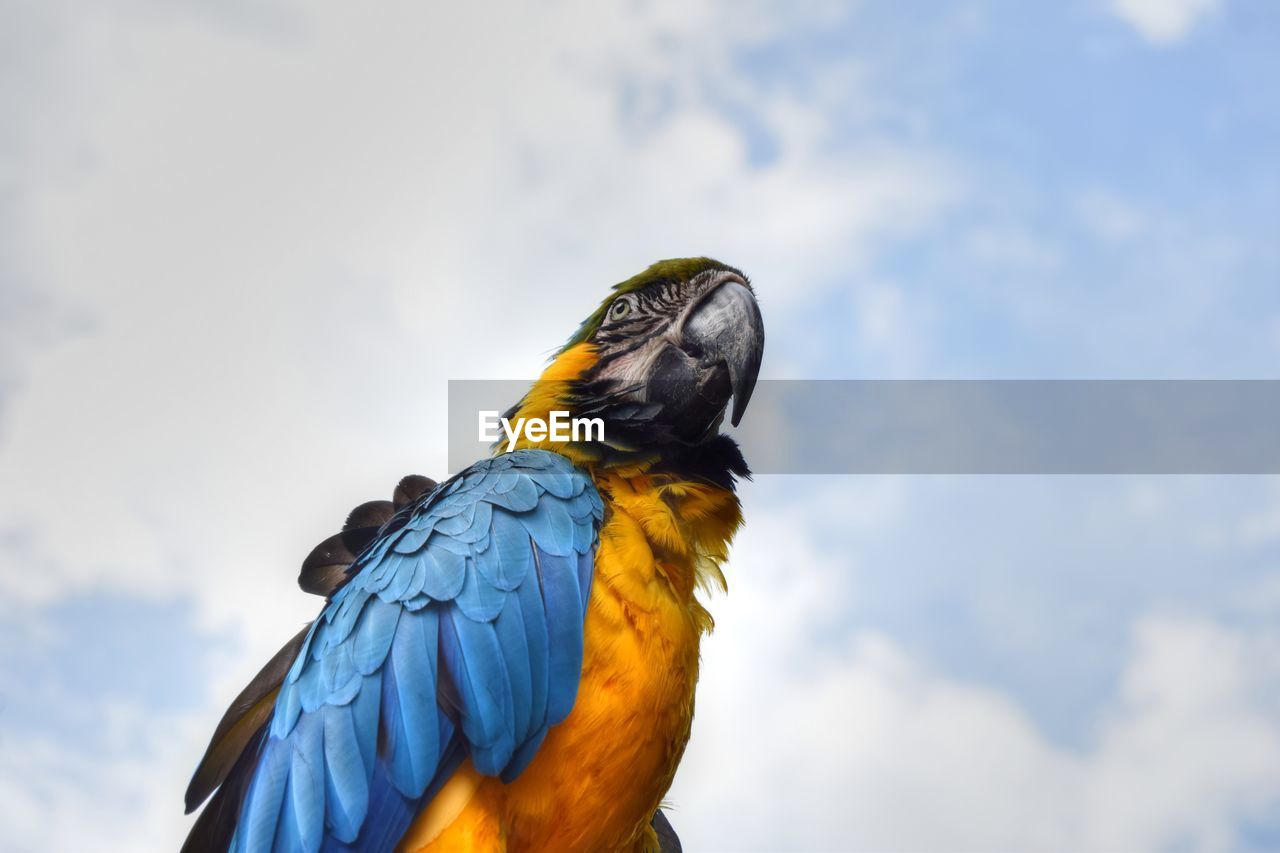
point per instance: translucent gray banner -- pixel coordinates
(972, 426)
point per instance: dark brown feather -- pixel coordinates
(323, 580)
(369, 514)
(213, 829)
(411, 488)
(241, 723)
(325, 569)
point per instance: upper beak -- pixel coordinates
(726, 328)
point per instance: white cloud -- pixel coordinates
(1165, 22)
(123, 794)
(1108, 216)
(1014, 247)
(809, 737)
(1260, 527)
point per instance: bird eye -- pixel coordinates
(619, 309)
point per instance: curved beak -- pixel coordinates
(725, 328)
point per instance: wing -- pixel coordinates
(458, 634)
(326, 568)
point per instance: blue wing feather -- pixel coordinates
(445, 574)
(479, 600)
(522, 756)
(477, 592)
(412, 725)
(514, 643)
(561, 595)
(586, 566)
(552, 531)
(473, 660)
(265, 796)
(346, 783)
(287, 836)
(505, 563)
(521, 497)
(533, 614)
(306, 786)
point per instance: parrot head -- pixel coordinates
(660, 359)
(684, 336)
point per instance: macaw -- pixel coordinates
(507, 660)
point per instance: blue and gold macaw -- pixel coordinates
(507, 660)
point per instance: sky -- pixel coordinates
(245, 245)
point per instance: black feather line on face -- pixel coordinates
(611, 343)
(606, 355)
